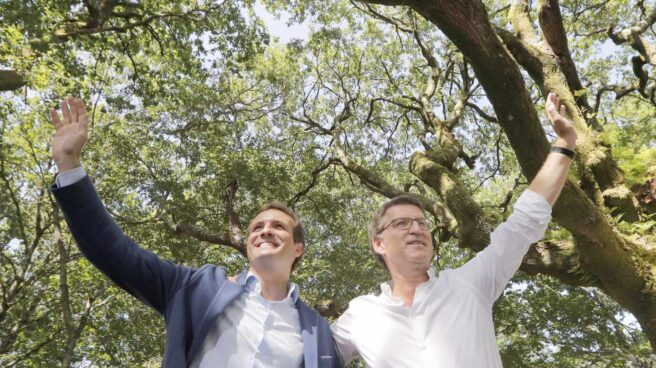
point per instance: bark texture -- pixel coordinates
(618, 266)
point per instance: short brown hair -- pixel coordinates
(298, 232)
(375, 225)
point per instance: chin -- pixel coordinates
(422, 262)
(266, 259)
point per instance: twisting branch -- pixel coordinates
(202, 235)
(315, 175)
(551, 22)
(234, 239)
(481, 113)
(369, 179)
(620, 91)
(100, 15)
(560, 260)
(646, 51)
(397, 23)
(544, 67)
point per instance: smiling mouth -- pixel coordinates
(269, 244)
(416, 242)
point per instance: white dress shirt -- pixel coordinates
(450, 321)
(252, 332)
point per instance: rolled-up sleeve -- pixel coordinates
(491, 269)
(531, 216)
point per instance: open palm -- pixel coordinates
(71, 133)
(561, 125)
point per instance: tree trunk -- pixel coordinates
(620, 266)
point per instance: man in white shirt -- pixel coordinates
(422, 319)
(254, 321)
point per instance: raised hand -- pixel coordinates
(71, 133)
(562, 126)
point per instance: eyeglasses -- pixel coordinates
(404, 223)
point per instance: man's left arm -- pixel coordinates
(492, 268)
(551, 178)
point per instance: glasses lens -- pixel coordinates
(402, 223)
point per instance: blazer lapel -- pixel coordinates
(308, 335)
(226, 294)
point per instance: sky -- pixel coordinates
(278, 25)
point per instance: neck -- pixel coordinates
(404, 284)
(273, 286)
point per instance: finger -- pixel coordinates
(73, 107)
(554, 98)
(66, 114)
(55, 119)
(83, 117)
(552, 106)
(552, 112)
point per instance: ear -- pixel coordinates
(377, 244)
(300, 249)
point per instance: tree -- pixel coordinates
(196, 121)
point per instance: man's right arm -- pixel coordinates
(99, 238)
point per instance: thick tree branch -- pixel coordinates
(467, 25)
(390, 2)
(559, 260)
(551, 22)
(473, 227)
(11, 80)
(543, 66)
(202, 235)
(98, 18)
(633, 35)
(520, 19)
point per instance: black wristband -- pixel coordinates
(565, 151)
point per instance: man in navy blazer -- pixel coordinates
(255, 321)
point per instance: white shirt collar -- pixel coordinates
(253, 285)
(386, 287)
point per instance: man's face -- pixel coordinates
(271, 241)
(404, 248)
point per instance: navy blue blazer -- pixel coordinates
(189, 299)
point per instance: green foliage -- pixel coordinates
(200, 99)
(542, 323)
(634, 145)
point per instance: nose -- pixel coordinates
(415, 228)
(266, 229)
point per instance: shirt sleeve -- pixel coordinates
(491, 269)
(341, 330)
(69, 177)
